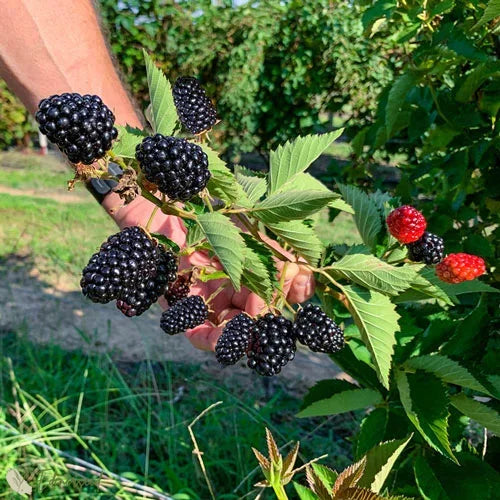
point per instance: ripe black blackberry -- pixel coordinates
(81, 126)
(235, 339)
(131, 269)
(184, 315)
(313, 328)
(179, 168)
(429, 249)
(177, 290)
(271, 345)
(195, 109)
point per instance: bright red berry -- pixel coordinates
(458, 267)
(406, 224)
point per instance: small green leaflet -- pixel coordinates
(166, 241)
(396, 99)
(425, 402)
(128, 139)
(291, 205)
(254, 186)
(428, 484)
(479, 412)
(373, 273)
(164, 114)
(227, 243)
(372, 428)
(304, 493)
(377, 320)
(295, 157)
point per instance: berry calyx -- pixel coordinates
(234, 340)
(429, 249)
(179, 168)
(185, 314)
(177, 290)
(271, 345)
(196, 111)
(131, 269)
(458, 267)
(82, 127)
(313, 328)
(406, 224)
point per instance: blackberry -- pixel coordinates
(179, 168)
(131, 269)
(271, 346)
(194, 108)
(429, 249)
(313, 328)
(184, 315)
(82, 127)
(178, 290)
(235, 339)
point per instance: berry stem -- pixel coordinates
(118, 159)
(151, 217)
(214, 294)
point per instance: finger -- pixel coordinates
(240, 298)
(205, 336)
(291, 271)
(255, 305)
(302, 287)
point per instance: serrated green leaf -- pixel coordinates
(227, 243)
(377, 321)
(295, 157)
(427, 482)
(371, 431)
(164, 114)
(255, 275)
(425, 401)
(167, 242)
(423, 289)
(300, 237)
(447, 370)
(396, 99)
(254, 187)
(325, 389)
(342, 402)
(340, 204)
(492, 10)
(266, 257)
(304, 493)
(476, 78)
(366, 214)
(327, 475)
(479, 412)
(291, 205)
(128, 139)
(194, 235)
(379, 462)
(373, 273)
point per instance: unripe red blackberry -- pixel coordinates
(428, 249)
(196, 111)
(271, 345)
(177, 290)
(179, 168)
(458, 267)
(313, 328)
(131, 269)
(82, 127)
(234, 340)
(184, 315)
(406, 224)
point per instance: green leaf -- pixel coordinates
(342, 402)
(372, 429)
(479, 412)
(128, 139)
(227, 243)
(291, 205)
(304, 493)
(377, 321)
(492, 10)
(423, 289)
(255, 187)
(428, 484)
(476, 78)
(447, 370)
(300, 237)
(340, 204)
(396, 99)
(325, 389)
(373, 273)
(379, 462)
(326, 475)
(164, 114)
(167, 242)
(194, 235)
(425, 402)
(366, 214)
(256, 271)
(295, 157)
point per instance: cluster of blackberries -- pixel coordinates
(81, 126)
(196, 111)
(185, 314)
(270, 341)
(131, 269)
(179, 168)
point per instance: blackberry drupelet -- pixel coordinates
(179, 168)
(271, 346)
(131, 269)
(235, 339)
(184, 315)
(82, 127)
(429, 249)
(177, 290)
(196, 111)
(313, 328)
